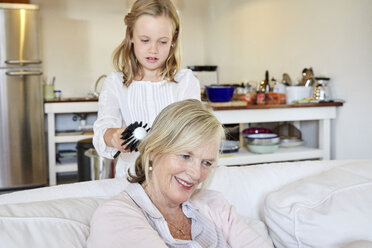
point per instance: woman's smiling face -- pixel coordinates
(175, 177)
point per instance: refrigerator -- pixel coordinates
(22, 133)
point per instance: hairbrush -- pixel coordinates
(132, 136)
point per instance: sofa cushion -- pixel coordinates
(59, 223)
(54, 223)
(331, 209)
(246, 187)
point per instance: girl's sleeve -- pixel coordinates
(235, 228)
(189, 86)
(109, 116)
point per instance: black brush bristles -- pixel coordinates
(130, 140)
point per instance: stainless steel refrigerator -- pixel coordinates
(22, 138)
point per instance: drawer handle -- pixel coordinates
(24, 73)
(22, 62)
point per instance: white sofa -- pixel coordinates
(303, 204)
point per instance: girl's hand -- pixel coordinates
(113, 139)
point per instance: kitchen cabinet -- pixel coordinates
(53, 108)
(323, 113)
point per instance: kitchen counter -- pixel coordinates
(71, 105)
(230, 114)
(322, 113)
(230, 105)
(220, 106)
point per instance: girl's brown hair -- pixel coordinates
(124, 58)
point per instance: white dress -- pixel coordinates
(120, 106)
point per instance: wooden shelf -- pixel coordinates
(66, 167)
(68, 139)
(244, 157)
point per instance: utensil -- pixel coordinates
(286, 80)
(307, 77)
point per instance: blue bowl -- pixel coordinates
(219, 93)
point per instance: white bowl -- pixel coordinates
(261, 139)
(290, 142)
(263, 149)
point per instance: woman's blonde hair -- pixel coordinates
(124, 58)
(180, 126)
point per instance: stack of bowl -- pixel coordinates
(262, 142)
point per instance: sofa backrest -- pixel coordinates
(105, 188)
(247, 186)
(244, 186)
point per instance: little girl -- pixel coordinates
(148, 78)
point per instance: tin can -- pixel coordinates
(260, 97)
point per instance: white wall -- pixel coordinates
(246, 37)
(77, 39)
(79, 36)
(243, 37)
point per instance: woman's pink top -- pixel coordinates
(121, 222)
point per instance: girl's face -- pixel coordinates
(152, 40)
(176, 176)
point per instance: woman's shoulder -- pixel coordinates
(120, 203)
(121, 219)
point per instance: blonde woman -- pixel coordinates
(160, 207)
(147, 79)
